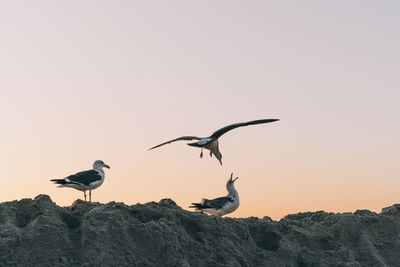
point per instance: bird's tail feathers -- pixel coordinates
(197, 206)
(59, 181)
(196, 144)
(201, 205)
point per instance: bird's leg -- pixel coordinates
(201, 153)
(84, 193)
(210, 154)
(90, 195)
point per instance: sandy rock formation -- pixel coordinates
(40, 233)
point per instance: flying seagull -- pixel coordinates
(85, 180)
(211, 142)
(222, 205)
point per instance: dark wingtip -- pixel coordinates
(58, 181)
(152, 148)
(268, 120)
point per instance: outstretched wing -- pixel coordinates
(83, 178)
(183, 138)
(216, 203)
(225, 129)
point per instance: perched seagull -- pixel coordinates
(86, 180)
(211, 142)
(222, 205)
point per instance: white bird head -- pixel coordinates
(231, 182)
(98, 164)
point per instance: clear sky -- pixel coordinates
(87, 80)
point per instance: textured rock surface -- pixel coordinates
(40, 233)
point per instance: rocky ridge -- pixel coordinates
(37, 232)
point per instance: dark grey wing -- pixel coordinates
(85, 177)
(217, 203)
(225, 129)
(187, 138)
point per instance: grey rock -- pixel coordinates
(39, 233)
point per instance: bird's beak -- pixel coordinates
(235, 179)
(106, 166)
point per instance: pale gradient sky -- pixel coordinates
(87, 80)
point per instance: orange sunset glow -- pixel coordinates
(88, 80)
